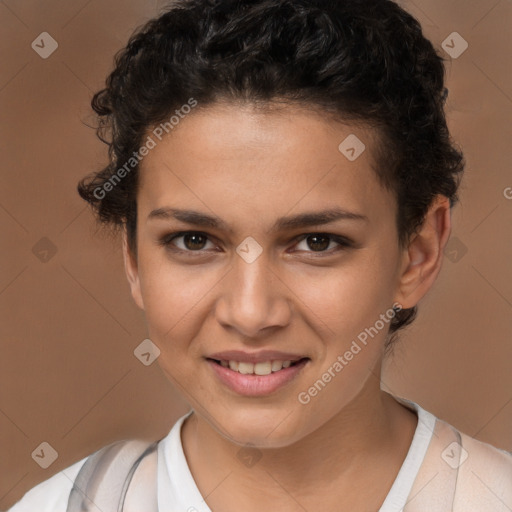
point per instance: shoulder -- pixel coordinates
(486, 457)
(458, 472)
(104, 470)
(485, 476)
(52, 494)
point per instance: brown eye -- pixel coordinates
(187, 242)
(194, 241)
(318, 242)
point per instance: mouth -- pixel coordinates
(261, 368)
(256, 379)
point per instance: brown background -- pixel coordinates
(68, 325)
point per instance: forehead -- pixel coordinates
(241, 160)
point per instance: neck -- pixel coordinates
(371, 434)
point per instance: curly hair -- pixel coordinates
(355, 60)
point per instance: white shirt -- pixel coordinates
(436, 475)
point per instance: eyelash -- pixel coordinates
(166, 241)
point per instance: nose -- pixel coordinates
(254, 299)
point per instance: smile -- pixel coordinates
(261, 368)
(256, 379)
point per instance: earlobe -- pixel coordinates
(132, 273)
(424, 255)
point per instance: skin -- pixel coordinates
(342, 450)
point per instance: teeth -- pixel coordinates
(277, 365)
(262, 368)
(245, 368)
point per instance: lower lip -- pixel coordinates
(256, 385)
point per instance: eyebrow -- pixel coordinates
(283, 223)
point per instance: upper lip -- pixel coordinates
(255, 357)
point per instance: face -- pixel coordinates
(291, 253)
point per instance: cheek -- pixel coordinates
(346, 299)
(173, 298)
(345, 305)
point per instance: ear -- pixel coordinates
(424, 255)
(132, 272)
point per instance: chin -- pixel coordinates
(260, 429)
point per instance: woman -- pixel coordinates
(282, 176)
